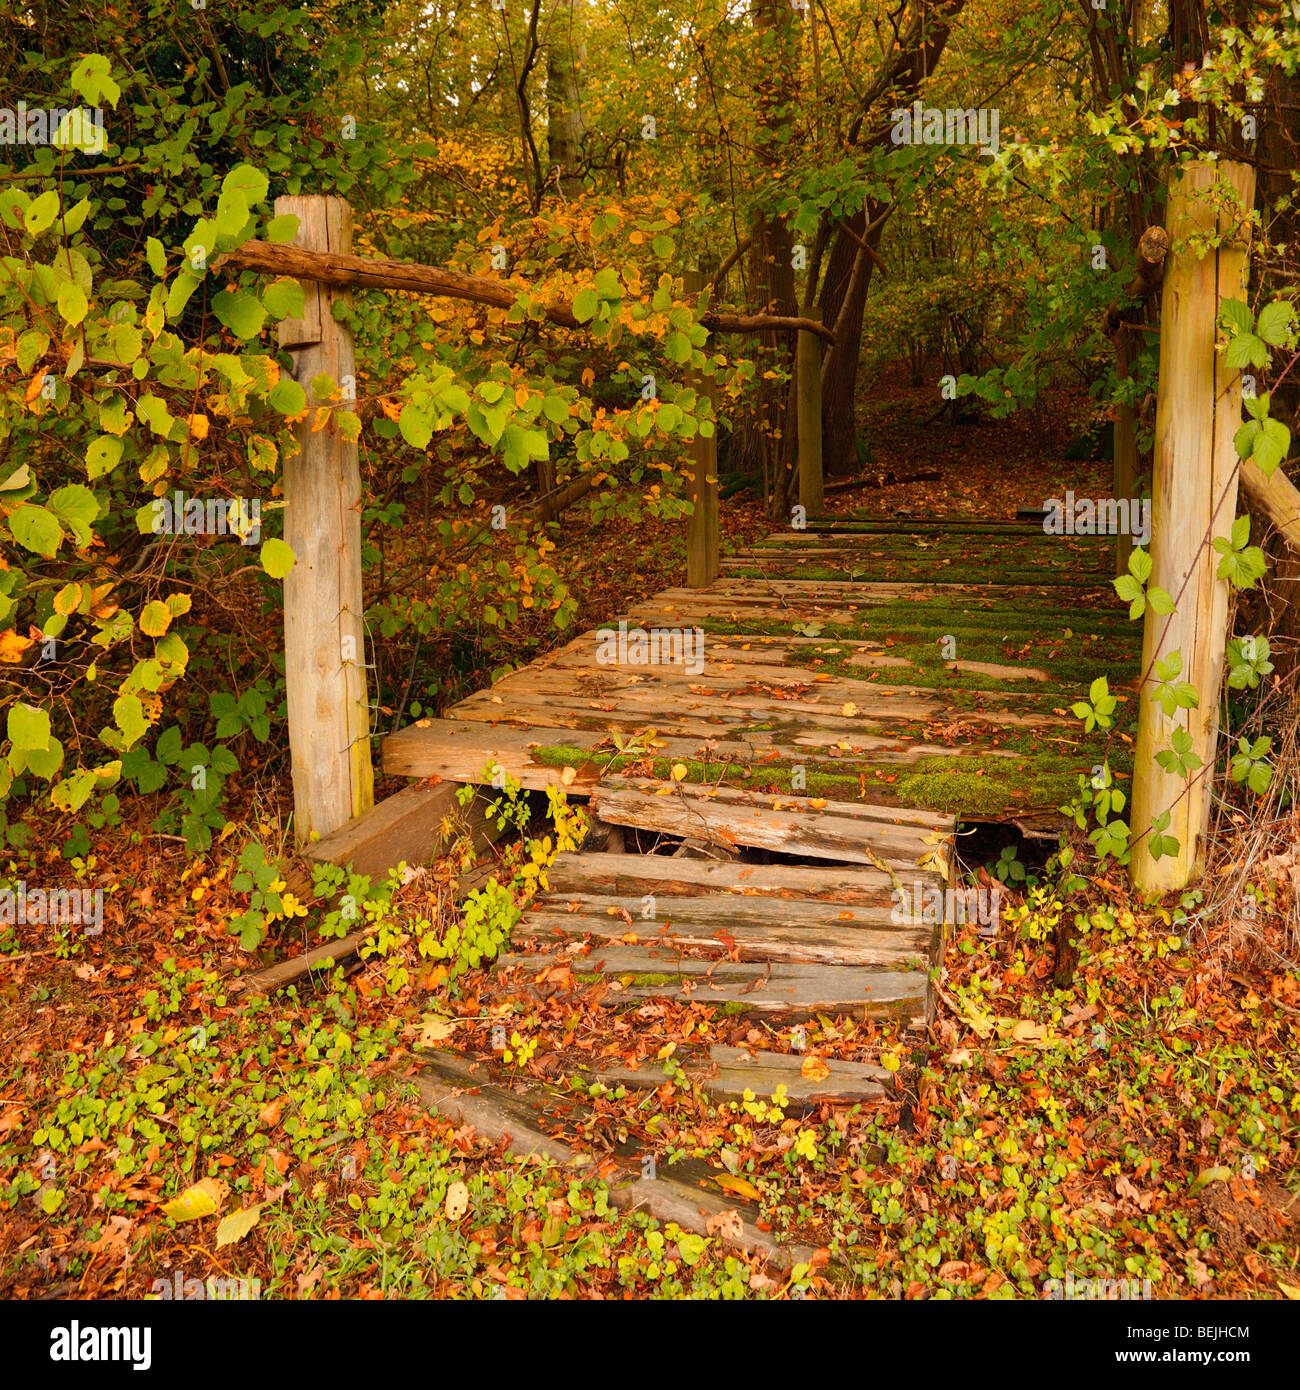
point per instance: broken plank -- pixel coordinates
(633, 875)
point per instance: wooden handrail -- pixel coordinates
(332, 268)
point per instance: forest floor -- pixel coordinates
(1132, 1118)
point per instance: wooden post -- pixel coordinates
(808, 386)
(324, 637)
(1194, 500)
(702, 552)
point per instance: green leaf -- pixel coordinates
(1246, 350)
(1236, 315)
(283, 298)
(277, 557)
(92, 80)
(1275, 322)
(72, 302)
(415, 425)
(1159, 600)
(1139, 564)
(287, 396)
(249, 181)
(28, 726)
(77, 507)
(41, 212)
(241, 312)
(585, 304)
(128, 715)
(282, 229)
(156, 256)
(36, 529)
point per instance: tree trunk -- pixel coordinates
(843, 300)
(566, 60)
(763, 440)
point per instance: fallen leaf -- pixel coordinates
(814, 1069)
(203, 1198)
(457, 1201)
(733, 1182)
(236, 1226)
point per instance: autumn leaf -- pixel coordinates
(457, 1201)
(12, 647)
(203, 1198)
(814, 1069)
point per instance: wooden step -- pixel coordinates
(791, 989)
(848, 832)
(732, 1074)
(634, 875)
(758, 929)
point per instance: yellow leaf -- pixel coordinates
(198, 426)
(1289, 1289)
(848, 709)
(457, 1200)
(742, 1187)
(521, 396)
(34, 387)
(68, 599)
(237, 1225)
(435, 1030)
(156, 619)
(679, 772)
(204, 1198)
(12, 647)
(817, 802)
(569, 776)
(814, 1069)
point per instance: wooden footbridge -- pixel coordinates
(776, 796)
(778, 757)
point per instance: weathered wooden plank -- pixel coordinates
(798, 935)
(820, 834)
(633, 875)
(730, 1073)
(783, 988)
(503, 1117)
(406, 827)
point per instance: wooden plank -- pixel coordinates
(728, 1073)
(633, 875)
(778, 988)
(502, 1117)
(830, 833)
(804, 932)
(403, 827)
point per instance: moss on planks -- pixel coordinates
(972, 786)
